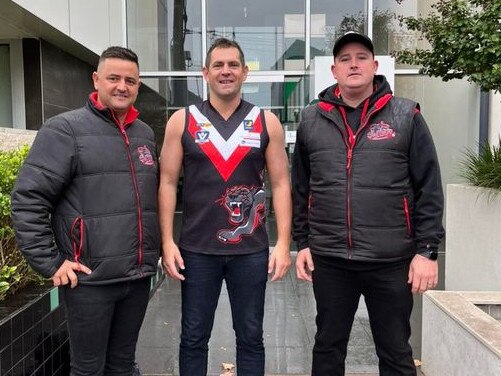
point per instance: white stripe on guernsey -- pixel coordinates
(225, 147)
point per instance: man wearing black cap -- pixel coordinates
(368, 206)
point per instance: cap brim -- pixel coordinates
(352, 38)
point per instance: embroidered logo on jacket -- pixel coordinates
(246, 208)
(380, 131)
(226, 155)
(145, 156)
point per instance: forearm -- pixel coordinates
(282, 205)
(167, 196)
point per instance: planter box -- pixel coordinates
(460, 337)
(33, 334)
(473, 247)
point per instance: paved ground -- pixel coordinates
(289, 329)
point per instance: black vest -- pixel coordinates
(361, 196)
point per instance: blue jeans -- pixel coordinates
(103, 325)
(245, 277)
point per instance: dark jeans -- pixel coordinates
(103, 325)
(337, 285)
(245, 277)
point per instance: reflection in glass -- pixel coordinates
(271, 33)
(388, 35)
(160, 97)
(332, 18)
(166, 34)
(285, 99)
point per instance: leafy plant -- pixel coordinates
(483, 169)
(465, 41)
(14, 271)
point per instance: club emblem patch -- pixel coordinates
(248, 125)
(380, 131)
(201, 136)
(145, 156)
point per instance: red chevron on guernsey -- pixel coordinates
(225, 155)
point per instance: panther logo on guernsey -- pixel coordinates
(380, 131)
(246, 207)
(145, 156)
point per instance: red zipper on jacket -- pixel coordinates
(350, 143)
(136, 191)
(78, 223)
(129, 118)
(407, 216)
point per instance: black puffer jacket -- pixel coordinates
(373, 194)
(87, 192)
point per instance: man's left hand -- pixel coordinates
(280, 261)
(423, 274)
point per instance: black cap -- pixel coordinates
(352, 37)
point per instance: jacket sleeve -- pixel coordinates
(300, 176)
(40, 182)
(428, 194)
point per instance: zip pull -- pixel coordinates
(350, 156)
(124, 134)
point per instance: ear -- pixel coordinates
(205, 72)
(95, 79)
(333, 71)
(376, 66)
(246, 71)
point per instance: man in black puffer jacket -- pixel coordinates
(84, 209)
(368, 206)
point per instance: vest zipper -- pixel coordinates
(350, 143)
(138, 201)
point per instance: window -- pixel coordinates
(5, 87)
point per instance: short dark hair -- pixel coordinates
(116, 52)
(224, 43)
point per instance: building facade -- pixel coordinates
(48, 51)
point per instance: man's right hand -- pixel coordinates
(304, 265)
(66, 273)
(172, 261)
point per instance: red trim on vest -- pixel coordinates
(381, 102)
(326, 106)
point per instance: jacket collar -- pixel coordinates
(108, 113)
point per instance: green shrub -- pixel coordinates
(483, 169)
(14, 271)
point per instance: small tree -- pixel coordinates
(465, 40)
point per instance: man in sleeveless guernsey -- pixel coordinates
(368, 206)
(224, 146)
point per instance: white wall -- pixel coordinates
(495, 118)
(96, 24)
(473, 239)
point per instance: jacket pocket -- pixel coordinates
(77, 235)
(407, 216)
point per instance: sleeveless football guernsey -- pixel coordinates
(223, 192)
